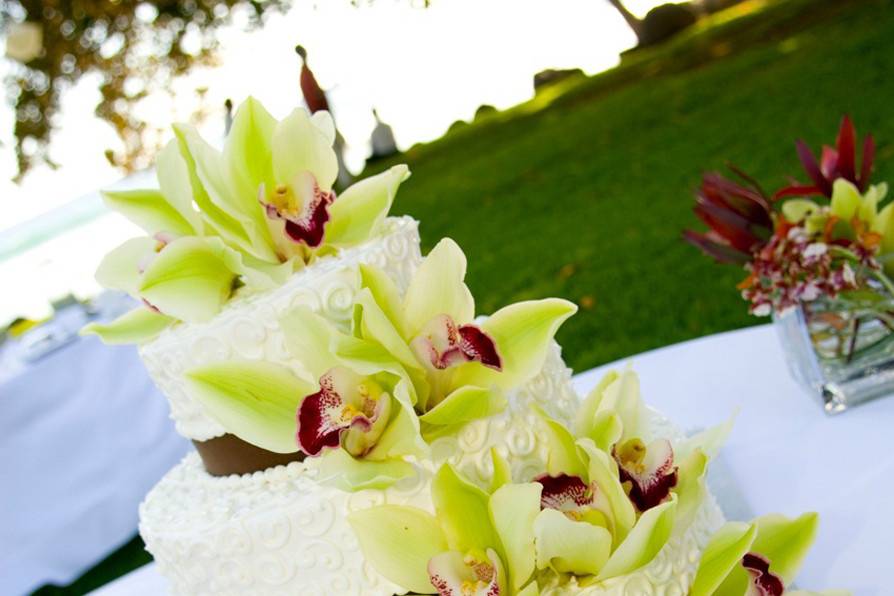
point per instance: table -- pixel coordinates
(84, 435)
(785, 455)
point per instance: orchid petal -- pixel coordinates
(845, 199)
(189, 279)
(647, 537)
(173, 179)
(586, 413)
(301, 145)
(502, 470)
(455, 574)
(522, 333)
(785, 542)
(309, 339)
(324, 123)
(385, 294)
(437, 288)
(623, 397)
(399, 541)
(649, 469)
(563, 456)
(376, 325)
(463, 511)
(690, 487)
(339, 470)
(708, 441)
(465, 404)
(603, 472)
(137, 326)
(256, 401)
(213, 173)
(148, 209)
(513, 509)
(121, 269)
(569, 546)
(247, 157)
(361, 209)
(607, 430)
(532, 589)
(721, 557)
(402, 437)
(796, 210)
(218, 220)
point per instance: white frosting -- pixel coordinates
(248, 327)
(280, 532)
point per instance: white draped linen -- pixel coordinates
(784, 455)
(84, 435)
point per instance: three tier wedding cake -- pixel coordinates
(360, 429)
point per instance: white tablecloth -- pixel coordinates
(84, 435)
(785, 455)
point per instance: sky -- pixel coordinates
(422, 69)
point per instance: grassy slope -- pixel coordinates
(587, 197)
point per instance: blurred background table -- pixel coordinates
(84, 435)
(784, 455)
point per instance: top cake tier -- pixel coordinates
(248, 326)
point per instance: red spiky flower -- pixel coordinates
(739, 217)
(834, 163)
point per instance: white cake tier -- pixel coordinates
(280, 532)
(248, 327)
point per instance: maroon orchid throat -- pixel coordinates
(303, 206)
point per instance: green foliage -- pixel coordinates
(586, 198)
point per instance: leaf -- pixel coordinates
(647, 537)
(466, 404)
(785, 542)
(137, 326)
(149, 210)
(360, 210)
(513, 509)
(438, 288)
(301, 144)
(121, 268)
(721, 555)
(522, 333)
(462, 509)
(338, 469)
(399, 541)
(189, 280)
(256, 401)
(569, 546)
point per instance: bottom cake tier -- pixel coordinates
(280, 532)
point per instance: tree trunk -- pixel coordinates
(634, 22)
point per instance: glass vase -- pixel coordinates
(841, 349)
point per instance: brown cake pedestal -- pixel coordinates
(228, 454)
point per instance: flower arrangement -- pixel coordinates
(833, 255)
(240, 219)
(406, 371)
(604, 506)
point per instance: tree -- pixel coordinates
(137, 47)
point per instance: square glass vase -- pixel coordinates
(840, 351)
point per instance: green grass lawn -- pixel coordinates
(584, 191)
(586, 197)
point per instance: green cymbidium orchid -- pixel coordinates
(759, 558)
(611, 500)
(247, 215)
(477, 543)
